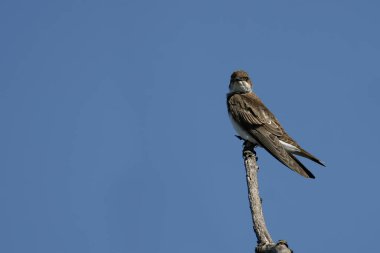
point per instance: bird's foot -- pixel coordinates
(249, 149)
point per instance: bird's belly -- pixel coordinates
(241, 132)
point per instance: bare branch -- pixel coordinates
(265, 243)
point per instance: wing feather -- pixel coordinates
(255, 118)
(248, 109)
(272, 144)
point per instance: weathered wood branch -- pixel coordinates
(265, 243)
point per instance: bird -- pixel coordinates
(255, 123)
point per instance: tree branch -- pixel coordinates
(265, 243)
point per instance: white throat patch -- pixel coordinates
(240, 86)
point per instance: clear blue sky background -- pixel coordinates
(114, 135)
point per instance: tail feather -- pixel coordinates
(273, 146)
(306, 154)
(302, 166)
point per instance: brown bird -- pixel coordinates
(254, 122)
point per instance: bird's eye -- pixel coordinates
(245, 78)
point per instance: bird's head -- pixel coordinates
(240, 82)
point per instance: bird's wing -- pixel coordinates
(250, 111)
(243, 111)
(257, 120)
(266, 117)
(272, 144)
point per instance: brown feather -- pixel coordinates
(252, 115)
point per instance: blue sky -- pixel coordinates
(115, 136)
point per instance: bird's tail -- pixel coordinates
(307, 155)
(304, 169)
(273, 146)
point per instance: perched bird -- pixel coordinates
(254, 122)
